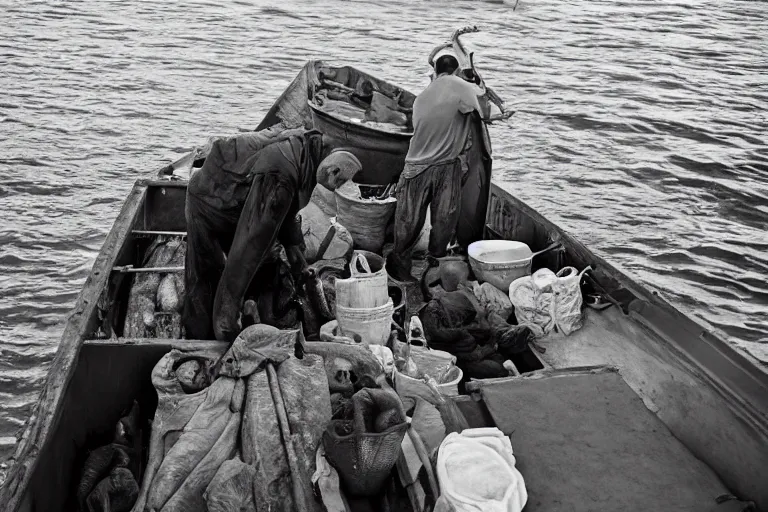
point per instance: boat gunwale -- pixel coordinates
(362, 127)
(47, 411)
(744, 375)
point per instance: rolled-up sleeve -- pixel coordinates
(291, 233)
(472, 99)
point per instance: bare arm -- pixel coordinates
(474, 98)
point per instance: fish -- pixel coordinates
(313, 286)
(97, 466)
(167, 297)
(115, 493)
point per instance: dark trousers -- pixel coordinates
(438, 187)
(224, 251)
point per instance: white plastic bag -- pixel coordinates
(476, 472)
(566, 306)
(545, 300)
(385, 357)
(416, 332)
(532, 298)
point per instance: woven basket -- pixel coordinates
(365, 219)
(367, 288)
(364, 460)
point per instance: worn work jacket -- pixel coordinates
(225, 179)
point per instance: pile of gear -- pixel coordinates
(364, 104)
(282, 419)
(269, 424)
(261, 428)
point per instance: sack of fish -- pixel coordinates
(156, 299)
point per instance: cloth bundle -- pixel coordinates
(546, 301)
(481, 344)
(218, 445)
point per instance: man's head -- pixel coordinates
(337, 168)
(447, 64)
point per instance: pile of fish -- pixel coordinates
(156, 299)
(108, 482)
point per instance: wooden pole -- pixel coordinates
(297, 471)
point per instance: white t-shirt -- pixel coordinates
(440, 120)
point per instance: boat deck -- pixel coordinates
(606, 338)
(584, 442)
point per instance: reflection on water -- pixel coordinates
(640, 127)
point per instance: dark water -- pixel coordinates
(641, 128)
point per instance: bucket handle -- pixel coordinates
(554, 245)
(363, 263)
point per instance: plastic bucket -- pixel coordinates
(406, 386)
(368, 285)
(499, 262)
(373, 325)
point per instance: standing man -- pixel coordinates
(244, 199)
(433, 173)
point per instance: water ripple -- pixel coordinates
(640, 127)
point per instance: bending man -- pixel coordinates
(245, 199)
(433, 172)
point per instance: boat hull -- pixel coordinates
(381, 154)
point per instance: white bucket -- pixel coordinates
(373, 325)
(367, 288)
(406, 386)
(499, 262)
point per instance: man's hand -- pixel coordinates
(226, 318)
(297, 262)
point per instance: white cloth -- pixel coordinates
(476, 472)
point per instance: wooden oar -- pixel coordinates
(466, 61)
(423, 454)
(161, 270)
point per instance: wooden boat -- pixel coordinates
(707, 400)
